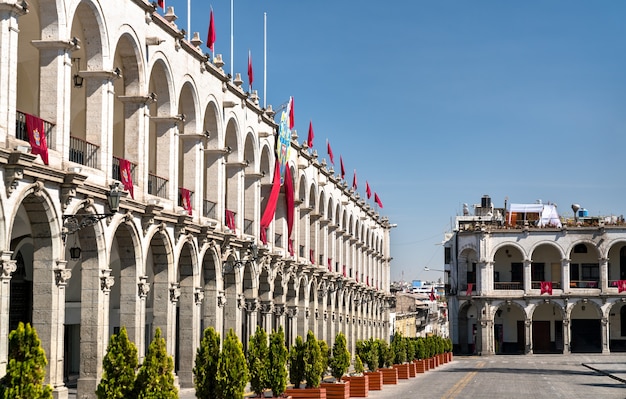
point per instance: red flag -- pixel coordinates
(621, 286)
(161, 4)
(470, 286)
(377, 200)
(330, 261)
(367, 190)
(210, 40)
(185, 196)
(312, 256)
(292, 121)
(367, 280)
(343, 169)
(432, 294)
(250, 73)
(37, 137)
(309, 140)
(354, 184)
(344, 271)
(330, 152)
(230, 220)
(126, 177)
(546, 287)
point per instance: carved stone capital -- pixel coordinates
(174, 292)
(198, 295)
(267, 306)
(221, 300)
(143, 287)
(106, 280)
(62, 276)
(9, 266)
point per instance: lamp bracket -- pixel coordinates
(74, 223)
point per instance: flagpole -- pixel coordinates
(231, 38)
(188, 19)
(264, 60)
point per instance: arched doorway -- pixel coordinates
(509, 330)
(547, 327)
(586, 328)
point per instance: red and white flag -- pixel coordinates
(330, 262)
(354, 183)
(546, 287)
(621, 286)
(330, 152)
(185, 197)
(161, 3)
(37, 137)
(432, 294)
(230, 220)
(210, 40)
(309, 140)
(368, 191)
(292, 121)
(250, 72)
(377, 200)
(470, 287)
(312, 256)
(126, 177)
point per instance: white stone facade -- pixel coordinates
(505, 264)
(151, 97)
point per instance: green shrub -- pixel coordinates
(277, 363)
(358, 365)
(340, 360)
(205, 369)
(257, 358)
(232, 372)
(410, 349)
(296, 362)
(118, 368)
(398, 349)
(326, 355)
(26, 369)
(313, 367)
(156, 376)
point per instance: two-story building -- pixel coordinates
(522, 279)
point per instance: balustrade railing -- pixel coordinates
(83, 152)
(209, 209)
(157, 185)
(117, 173)
(22, 134)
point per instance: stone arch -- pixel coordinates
(586, 318)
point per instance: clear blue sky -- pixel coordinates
(437, 103)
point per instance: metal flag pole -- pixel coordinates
(188, 19)
(264, 60)
(231, 38)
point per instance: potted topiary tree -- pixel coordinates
(398, 347)
(156, 375)
(277, 364)
(368, 351)
(385, 361)
(326, 355)
(420, 348)
(232, 371)
(359, 382)
(205, 368)
(306, 361)
(26, 369)
(410, 355)
(257, 356)
(339, 363)
(118, 368)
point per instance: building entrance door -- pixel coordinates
(541, 337)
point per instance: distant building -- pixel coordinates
(523, 279)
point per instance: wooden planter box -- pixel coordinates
(412, 369)
(337, 390)
(359, 386)
(306, 393)
(420, 366)
(403, 371)
(375, 380)
(390, 376)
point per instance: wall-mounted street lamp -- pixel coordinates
(230, 265)
(74, 223)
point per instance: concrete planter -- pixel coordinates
(306, 393)
(337, 390)
(403, 371)
(375, 380)
(359, 386)
(390, 376)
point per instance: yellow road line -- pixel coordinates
(458, 387)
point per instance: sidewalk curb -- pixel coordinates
(623, 381)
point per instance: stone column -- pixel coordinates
(56, 355)
(143, 288)
(565, 278)
(170, 333)
(189, 331)
(94, 326)
(9, 14)
(279, 315)
(605, 335)
(566, 334)
(528, 331)
(8, 266)
(252, 312)
(604, 275)
(292, 319)
(527, 276)
(267, 313)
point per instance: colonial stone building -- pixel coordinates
(123, 97)
(522, 279)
